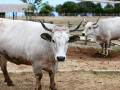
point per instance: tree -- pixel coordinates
(34, 5)
(98, 8)
(46, 8)
(108, 8)
(117, 5)
(85, 7)
(117, 8)
(69, 7)
(59, 8)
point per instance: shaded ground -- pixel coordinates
(76, 53)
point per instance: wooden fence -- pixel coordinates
(33, 17)
(80, 14)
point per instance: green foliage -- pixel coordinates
(46, 8)
(117, 5)
(116, 8)
(98, 8)
(69, 7)
(108, 6)
(85, 7)
(35, 5)
(59, 8)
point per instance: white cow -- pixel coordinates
(103, 31)
(31, 43)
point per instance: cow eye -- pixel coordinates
(53, 41)
(89, 28)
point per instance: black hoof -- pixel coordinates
(5, 81)
(52, 89)
(38, 88)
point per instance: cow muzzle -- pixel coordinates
(60, 58)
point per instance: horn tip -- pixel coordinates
(40, 21)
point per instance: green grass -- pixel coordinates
(116, 49)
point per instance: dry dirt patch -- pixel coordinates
(93, 54)
(77, 80)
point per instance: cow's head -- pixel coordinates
(89, 28)
(59, 37)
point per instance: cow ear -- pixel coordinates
(46, 36)
(74, 38)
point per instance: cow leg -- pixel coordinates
(52, 82)
(38, 81)
(3, 63)
(106, 48)
(102, 45)
(38, 75)
(109, 44)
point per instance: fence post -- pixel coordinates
(35, 16)
(94, 14)
(75, 14)
(49, 14)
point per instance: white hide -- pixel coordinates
(60, 44)
(107, 29)
(22, 39)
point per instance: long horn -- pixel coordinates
(48, 29)
(74, 29)
(96, 21)
(85, 20)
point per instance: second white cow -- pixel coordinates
(103, 31)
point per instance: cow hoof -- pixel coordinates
(103, 53)
(106, 55)
(52, 88)
(38, 88)
(10, 84)
(5, 81)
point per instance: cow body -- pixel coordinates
(103, 31)
(32, 43)
(20, 42)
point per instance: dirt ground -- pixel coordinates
(74, 73)
(76, 53)
(76, 80)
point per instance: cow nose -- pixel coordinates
(83, 34)
(61, 58)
